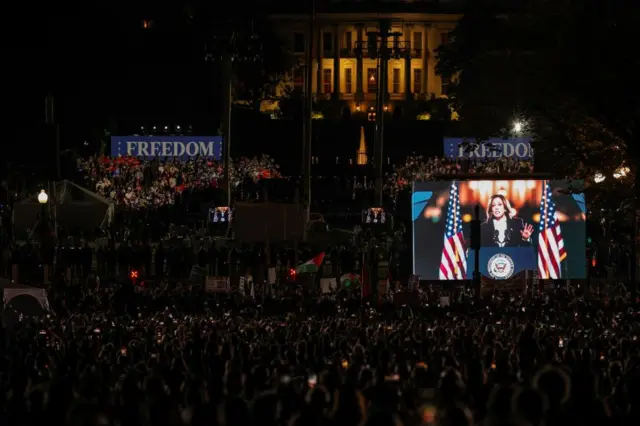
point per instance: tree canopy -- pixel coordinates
(565, 67)
(260, 58)
(257, 78)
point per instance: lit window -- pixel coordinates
(372, 80)
(396, 80)
(348, 80)
(444, 85)
(417, 80)
(147, 23)
(326, 80)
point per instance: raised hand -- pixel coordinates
(527, 231)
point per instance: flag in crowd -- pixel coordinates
(349, 281)
(310, 266)
(453, 264)
(551, 250)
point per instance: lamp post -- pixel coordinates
(43, 199)
(307, 109)
(235, 42)
(50, 120)
(518, 127)
(382, 45)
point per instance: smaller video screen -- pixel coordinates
(220, 215)
(374, 216)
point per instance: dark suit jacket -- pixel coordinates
(489, 236)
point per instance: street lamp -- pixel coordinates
(517, 127)
(382, 45)
(43, 197)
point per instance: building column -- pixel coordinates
(319, 55)
(336, 63)
(425, 60)
(314, 64)
(407, 62)
(314, 77)
(407, 77)
(360, 64)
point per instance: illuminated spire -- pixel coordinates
(362, 150)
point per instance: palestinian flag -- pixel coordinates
(349, 281)
(310, 266)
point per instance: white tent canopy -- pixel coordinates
(11, 290)
(21, 302)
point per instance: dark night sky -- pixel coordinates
(103, 66)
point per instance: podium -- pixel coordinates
(501, 263)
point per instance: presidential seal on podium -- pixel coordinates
(500, 266)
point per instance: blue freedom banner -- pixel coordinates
(493, 148)
(167, 146)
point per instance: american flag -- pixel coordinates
(453, 265)
(551, 250)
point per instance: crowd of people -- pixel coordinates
(115, 353)
(140, 184)
(144, 184)
(156, 349)
(175, 256)
(419, 168)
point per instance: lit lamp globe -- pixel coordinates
(43, 197)
(517, 127)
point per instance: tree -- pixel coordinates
(561, 64)
(260, 58)
(257, 79)
(291, 103)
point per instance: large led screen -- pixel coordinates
(536, 225)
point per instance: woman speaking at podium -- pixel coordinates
(502, 228)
